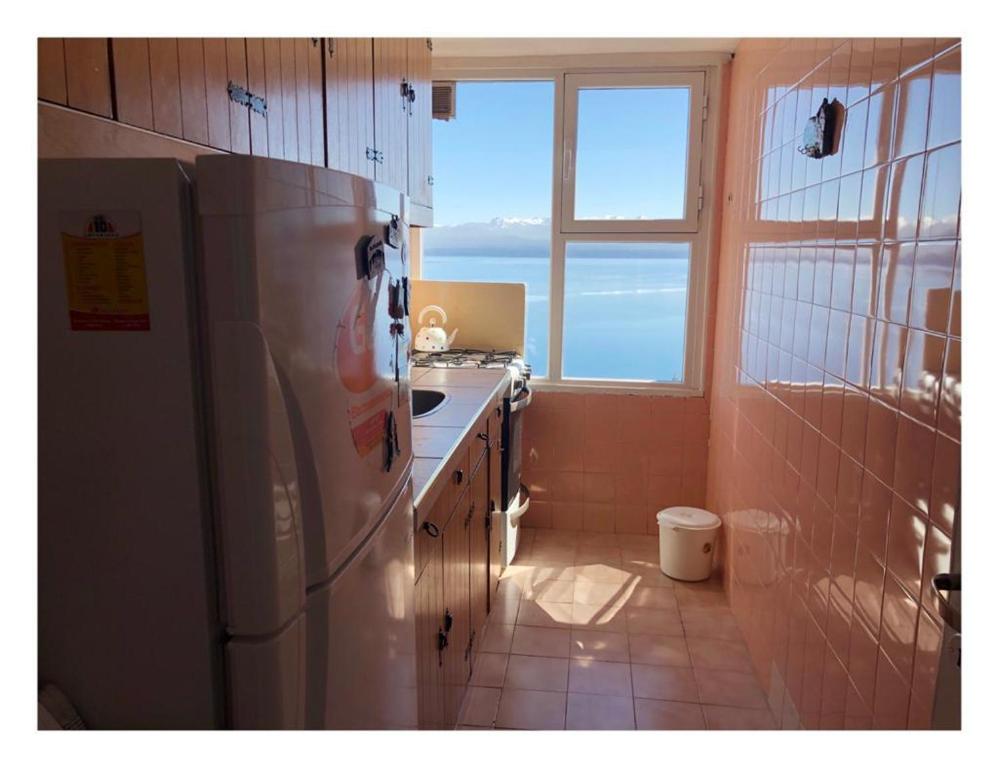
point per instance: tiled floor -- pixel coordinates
(587, 633)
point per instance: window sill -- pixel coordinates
(602, 387)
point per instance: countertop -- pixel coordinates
(470, 392)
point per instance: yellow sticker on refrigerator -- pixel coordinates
(105, 272)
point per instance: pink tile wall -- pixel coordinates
(608, 462)
(835, 447)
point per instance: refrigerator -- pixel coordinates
(225, 493)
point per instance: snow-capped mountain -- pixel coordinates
(501, 232)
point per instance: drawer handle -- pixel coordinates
(431, 529)
(459, 475)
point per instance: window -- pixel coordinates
(630, 142)
(492, 190)
(625, 311)
(616, 288)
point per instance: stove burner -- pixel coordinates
(471, 358)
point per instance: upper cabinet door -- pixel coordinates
(420, 137)
(350, 125)
(88, 74)
(51, 70)
(391, 112)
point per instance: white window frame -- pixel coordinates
(574, 83)
(703, 241)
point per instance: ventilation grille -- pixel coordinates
(443, 99)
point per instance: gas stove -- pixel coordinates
(473, 358)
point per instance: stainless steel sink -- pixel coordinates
(426, 401)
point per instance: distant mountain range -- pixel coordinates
(498, 233)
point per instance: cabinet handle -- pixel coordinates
(483, 436)
(430, 181)
(448, 619)
(459, 475)
(441, 640)
(431, 529)
(499, 411)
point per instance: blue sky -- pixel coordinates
(495, 158)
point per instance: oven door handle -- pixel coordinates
(521, 401)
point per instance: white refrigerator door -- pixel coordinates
(128, 618)
(361, 655)
(282, 252)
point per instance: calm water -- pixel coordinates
(625, 313)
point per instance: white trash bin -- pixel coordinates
(687, 538)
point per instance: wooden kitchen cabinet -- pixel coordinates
(350, 106)
(391, 112)
(455, 569)
(420, 121)
(430, 633)
(88, 74)
(478, 551)
(359, 105)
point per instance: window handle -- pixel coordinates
(567, 164)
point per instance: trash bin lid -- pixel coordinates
(688, 517)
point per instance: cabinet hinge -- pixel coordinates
(430, 181)
(430, 44)
(704, 108)
(700, 197)
(243, 97)
(330, 46)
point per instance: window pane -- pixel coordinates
(631, 153)
(625, 310)
(493, 197)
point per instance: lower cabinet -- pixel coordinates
(453, 579)
(478, 555)
(457, 661)
(430, 639)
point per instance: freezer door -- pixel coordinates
(361, 626)
(312, 259)
(267, 679)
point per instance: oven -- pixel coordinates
(513, 428)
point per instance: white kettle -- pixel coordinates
(433, 338)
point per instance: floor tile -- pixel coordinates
(535, 710)
(497, 637)
(718, 623)
(652, 597)
(588, 712)
(691, 597)
(668, 683)
(654, 621)
(737, 719)
(545, 614)
(659, 649)
(603, 573)
(725, 687)
(480, 706)
(601, 646)
(598, 617)
(719, 654)
(549, 591)
(541, 641)
(490, 669)
(537, 673)
(504, 610)
(668, 715)
(602, 593)
(607, 678)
